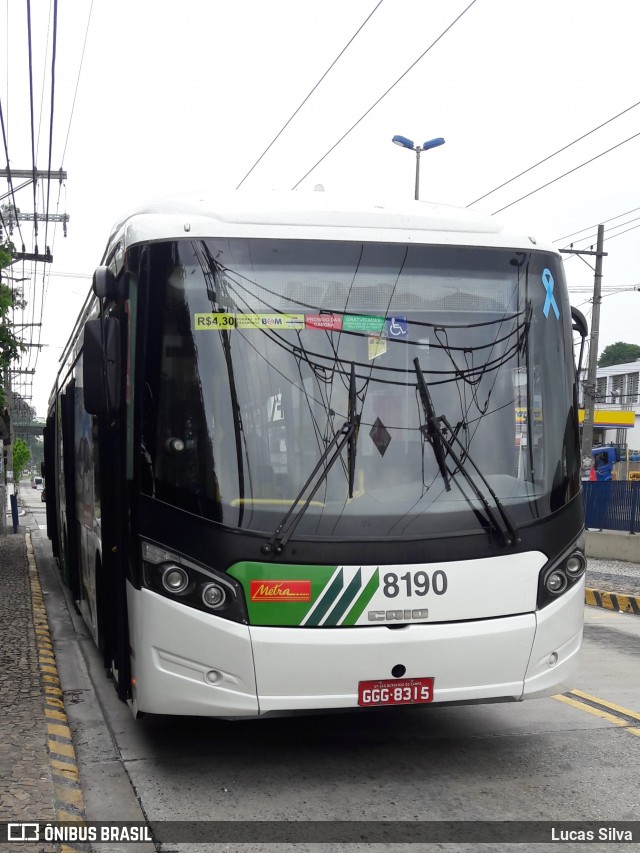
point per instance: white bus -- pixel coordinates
(307, 453)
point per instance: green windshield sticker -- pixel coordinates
(363, 323)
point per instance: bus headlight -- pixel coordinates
(213, 595)
(556, 583)
(175, 579)
(192, 584)
(576, 564)
(561, 574)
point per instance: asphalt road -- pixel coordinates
(572, 757)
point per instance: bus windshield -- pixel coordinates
(251, 349)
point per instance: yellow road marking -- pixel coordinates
(611, 705)
(605, 715)
(65, 749)
(597, 712)
(59, 729)
(67, 792)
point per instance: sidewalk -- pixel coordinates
(38, 773)
(26, 785)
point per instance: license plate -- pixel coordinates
(395, 691)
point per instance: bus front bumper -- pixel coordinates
(185, 661)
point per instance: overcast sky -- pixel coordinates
(175, 96)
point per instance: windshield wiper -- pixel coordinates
(352, 440)
(347, 434)
(433, 430)
(438, 437)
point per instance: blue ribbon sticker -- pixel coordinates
(550, 301)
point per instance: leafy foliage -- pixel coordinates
(618, 353)
(10, 346)
(21, 456)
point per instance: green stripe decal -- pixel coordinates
(323, 606)
(345, 600)
(365, 597)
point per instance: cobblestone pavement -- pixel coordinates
(613, 576)
(26, 789)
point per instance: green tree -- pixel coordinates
(618, 353)
(21, 456)
(10, 345)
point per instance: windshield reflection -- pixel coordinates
(250, 353)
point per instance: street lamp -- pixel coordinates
(403, 142)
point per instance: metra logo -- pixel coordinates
(280, 591)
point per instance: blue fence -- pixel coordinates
(612, 505)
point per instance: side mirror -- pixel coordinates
(107, 286)
(104, 283)
(579, 324)
(101, 366)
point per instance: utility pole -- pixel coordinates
(589, 386)
(32, 176)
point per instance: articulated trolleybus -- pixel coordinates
(307, 454)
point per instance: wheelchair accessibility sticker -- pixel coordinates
(397, 327)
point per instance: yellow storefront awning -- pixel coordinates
(612, 418)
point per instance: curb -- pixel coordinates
(67, 793)
(613, 601)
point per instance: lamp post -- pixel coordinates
(403, 142)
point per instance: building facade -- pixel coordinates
(617, 396)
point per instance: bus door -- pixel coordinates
(69, 546)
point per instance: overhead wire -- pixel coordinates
(33, 136)
(30, 329)
(555, 153)
(375, 104)
(564, 175)
(7, 50)
(295, 113)
(46, 274)
(51, 113)
(620, 233)
(44, 76)
(591, 237)
(75, 94)
(9, 178)
(46, 278)
(589, 227)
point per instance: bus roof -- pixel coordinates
(313, 216)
